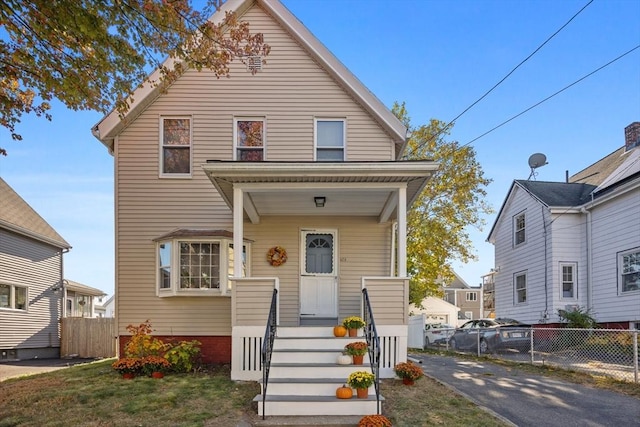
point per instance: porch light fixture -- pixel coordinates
(320, 200)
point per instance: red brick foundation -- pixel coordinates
(213, 349)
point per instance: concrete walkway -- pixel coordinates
(36, 366)
(525, 399)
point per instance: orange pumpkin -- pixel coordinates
(339, 331)
(344, 392)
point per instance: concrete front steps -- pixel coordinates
(304, 375)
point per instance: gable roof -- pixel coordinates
(596, 173)
(16, 215)
(112, 124)
(558, 194)
(83, 289)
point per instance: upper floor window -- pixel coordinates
(472, 296)
(519, 229)
(568, 280)
(249, 137)
(196, 266)
(520, 288)
(629, 267)
(13, 297)
(330, 140)
(175, 141)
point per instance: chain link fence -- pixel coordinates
(609, 352)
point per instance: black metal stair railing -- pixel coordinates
(267, 347)
(373, 342)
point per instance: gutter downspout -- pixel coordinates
(589, 258)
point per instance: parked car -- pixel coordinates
(437, 333)
(490, 335)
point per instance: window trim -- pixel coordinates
(516, 230)
(162, 173)
(12, 297)
(515, 287)
(262, 119)
(619, 273)
(315, 137)
(174, 289)
(574, 275)
(469, 294)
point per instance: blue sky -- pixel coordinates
(437, 56)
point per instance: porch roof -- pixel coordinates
(350, 188)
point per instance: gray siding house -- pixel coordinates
(31, 277)
(563, 245)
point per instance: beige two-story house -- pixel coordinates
(284, 186)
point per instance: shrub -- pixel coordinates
(408, 370)
(142, 344)
(153, 363)
(579, 317)
(127, 365)
(183, 355)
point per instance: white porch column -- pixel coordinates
(402, 232)
(238, 231)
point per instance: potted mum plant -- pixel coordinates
(155, 366)
(374, 421)
(356, 350)
(353, 323)
(408, 371)
(361, 381)
(128, 367)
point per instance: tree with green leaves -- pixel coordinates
(92, 54)
(452, 200)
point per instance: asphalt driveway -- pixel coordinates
(531, 400)
(36, 366)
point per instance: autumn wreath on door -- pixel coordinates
(277, 256)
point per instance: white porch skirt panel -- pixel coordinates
(247, 347)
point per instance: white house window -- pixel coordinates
(472, 296)
(468, 315)
(519, 229)
(629, 267)
(175, 142)
(520, 288)
(249, 137)
(196, 266)
(568, 280)
(13, 297)
(330, 140)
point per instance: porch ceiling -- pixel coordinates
(350, 188)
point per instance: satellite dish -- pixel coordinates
(535, 161)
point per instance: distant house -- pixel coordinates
(563, 245)
(106, 308)
(436, 310)
(31, 268)
(81, 300)
(468, 299)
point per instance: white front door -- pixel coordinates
(318, 278)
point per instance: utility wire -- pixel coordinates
(551, 96)
(451, 122)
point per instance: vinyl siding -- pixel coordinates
(27, 262)
(290, 91)
(567, 232)
(527, 257)
(616, 228)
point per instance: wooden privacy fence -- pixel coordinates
(88, 337)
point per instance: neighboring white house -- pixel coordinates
(106, 308)
(31, 266)
(563, 245)
(81, 300)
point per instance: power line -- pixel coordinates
(551, 96)
(448, 125)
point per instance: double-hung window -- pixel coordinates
(568, 280)
(175, 146)
(249, 136)
(520, 288)
(330, 139)
(196, 266)
(13, 297)
(519, 235)
(629, 268)
(472, 296)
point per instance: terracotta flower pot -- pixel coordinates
(408, 381)
(358, 360)
(128, 375)
(353, 332)
(362, 393)
(157, 375)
